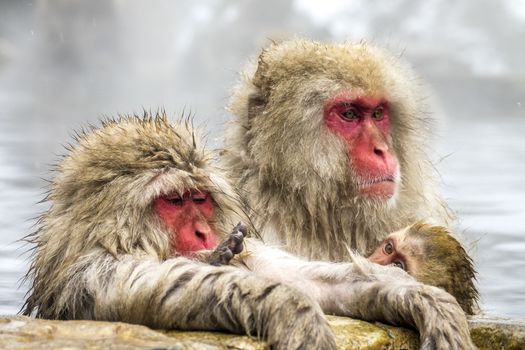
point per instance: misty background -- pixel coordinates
(65, 64)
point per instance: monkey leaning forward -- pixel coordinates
(115, 245)
(129, 205)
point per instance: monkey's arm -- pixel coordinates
(368, 291)
(184, 294)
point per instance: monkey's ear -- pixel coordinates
(256, 104)
(257, 100)
(260, 76)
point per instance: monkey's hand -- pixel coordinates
(441, 322)
(373, 292)
(389, 294)
(231, 246)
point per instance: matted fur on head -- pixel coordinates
(102, 194)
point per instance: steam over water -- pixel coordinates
(64, 64)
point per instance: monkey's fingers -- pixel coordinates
(240, 227)
(225, 251)
(235, 242)
(222, 255)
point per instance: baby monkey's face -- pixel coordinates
(401, 250)
(432, 256)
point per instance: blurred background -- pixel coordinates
(65, 64)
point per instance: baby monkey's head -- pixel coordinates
(432, 256)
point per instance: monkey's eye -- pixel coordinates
(389, 248)
(400, 264)
(378, 113)
(199, 198)
(349, 114)
(176, 200)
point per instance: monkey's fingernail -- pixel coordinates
(238, 237)
(228, 255)
(243, 229)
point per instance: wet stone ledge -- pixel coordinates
(491, 333)
(19, 332)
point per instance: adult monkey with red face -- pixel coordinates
(329, 148)
(188, 216)
(132, 206)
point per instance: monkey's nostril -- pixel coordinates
(378, 152)
(200, 236)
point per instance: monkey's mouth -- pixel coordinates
(381, 187)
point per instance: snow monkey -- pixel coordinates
(132, 206)
(432, 256)
(328, 148)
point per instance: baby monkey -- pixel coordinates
(432, 256)
(428, 253)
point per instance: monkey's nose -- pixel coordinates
(201, 235)
(205, 235)
(202, 231)
(380, 148)
(379, 152)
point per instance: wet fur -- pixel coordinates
(100, 252)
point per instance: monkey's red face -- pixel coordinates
(364, 124)
(188, 219)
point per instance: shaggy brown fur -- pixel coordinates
(294, 172)
(101, 253)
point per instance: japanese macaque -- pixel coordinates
(134, 204)
(328, 148)
(129, 204)
(432, 256)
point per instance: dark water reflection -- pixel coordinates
(63, 66)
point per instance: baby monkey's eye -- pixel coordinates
(400, 264)
(389, 248)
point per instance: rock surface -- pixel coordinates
(490, 333)
(19, 332)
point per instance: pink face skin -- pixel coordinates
(187, 219)
(364, 124)
(392, 252)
